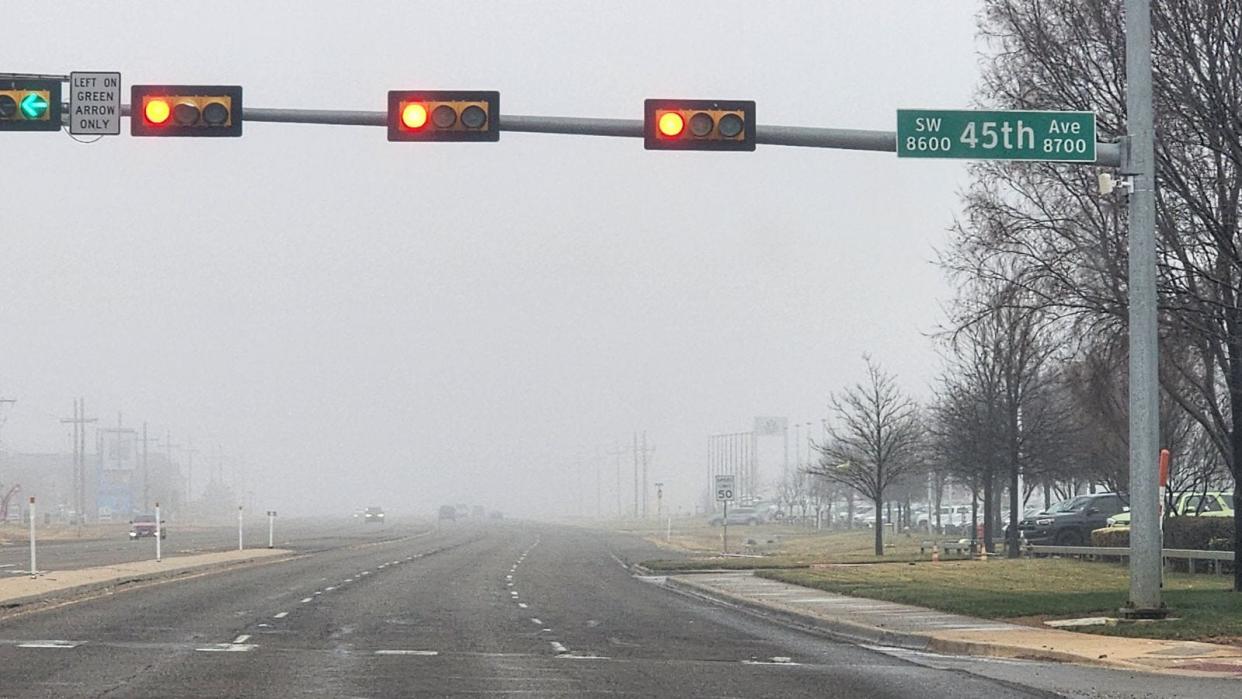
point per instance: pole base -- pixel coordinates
(1143, 613)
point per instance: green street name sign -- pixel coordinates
(1005, 135)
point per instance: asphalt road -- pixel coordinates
(508, 609)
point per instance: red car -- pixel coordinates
(144, 525)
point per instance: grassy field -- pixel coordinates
(1032, 590)
(772, 546)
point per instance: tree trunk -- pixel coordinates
(1011, 536)
(974, 513)
(879, 527)
(849, 510)
(988, 485)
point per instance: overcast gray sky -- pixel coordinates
(357, 321)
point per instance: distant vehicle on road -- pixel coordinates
(374, 514)
(144, 525)
(448, 512)
(740, 515)
(1070, 523)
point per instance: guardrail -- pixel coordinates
(1122, 553)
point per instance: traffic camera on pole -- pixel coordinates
(185, 110)
(670, 124)
(30, 105)
(443, 115)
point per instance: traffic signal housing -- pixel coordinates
(672, 124)
(443, 115)
(30, 105)
(185, 110)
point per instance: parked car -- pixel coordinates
(738, 515)
(1070, 522)
(1209, 504)
(144, 525)
(374, 515)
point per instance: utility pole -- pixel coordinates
(79, 421)
(189, 452)
(635, 475)
(618, 452)
(146, 467)
(1146, 559)
(3, 417)
(168, 447)
(646, 463)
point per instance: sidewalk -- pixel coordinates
(919, 628)
(22, 590)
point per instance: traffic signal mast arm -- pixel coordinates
(1107, 154)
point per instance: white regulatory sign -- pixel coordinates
(95, 104)
(725, 487)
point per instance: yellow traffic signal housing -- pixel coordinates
(443, 115)
(30, 105)
(185, 110)
(672, 124)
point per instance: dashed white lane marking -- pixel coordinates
(329, 588)
(522, 605)
(241, 639)
(407, 652)
(776, 660)
(575, 656)
(619, 561)
(48, 644)
(318, 592)
(556, 646)
(348, 580)
(366, 572)
(227, 648)
(509, 584)
(304, 601)
(281, 615)
(508, 577)
(536, 622)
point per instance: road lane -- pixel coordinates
(526, 609)
(517, 608)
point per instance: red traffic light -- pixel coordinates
(671, 124)
(443, 115)
(185, 110)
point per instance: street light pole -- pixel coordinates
(1145, 538)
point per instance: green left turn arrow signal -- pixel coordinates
(34, 106)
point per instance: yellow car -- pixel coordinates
(1210, 504)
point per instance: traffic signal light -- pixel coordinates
(699, 124)
(443, 115)
(185, 110)
(30, 105)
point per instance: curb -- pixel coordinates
(836, 628)
(865, 633)
(67, 595)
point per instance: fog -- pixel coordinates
(341, 321)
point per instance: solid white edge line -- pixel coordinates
(281, 615)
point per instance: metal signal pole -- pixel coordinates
(1146, 560)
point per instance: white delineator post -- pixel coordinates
(158, 532)
(239, 528)
(271, 528)
(33, 568)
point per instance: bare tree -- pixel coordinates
(1042, 227)
(873, 439)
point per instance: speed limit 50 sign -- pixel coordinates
(726, 486)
